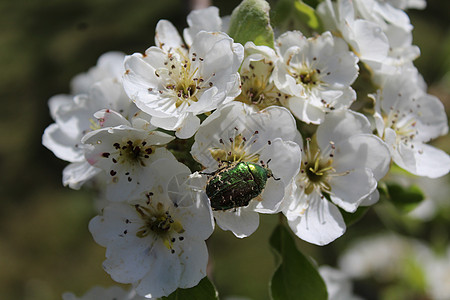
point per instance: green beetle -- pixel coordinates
(236, 184)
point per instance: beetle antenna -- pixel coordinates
(205, 173)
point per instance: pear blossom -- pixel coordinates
(393, 254)
(257, 85)
(343, 163)
(407, 118)
(240, 133)
(366, 38)
(74, 118)
(436, 192)
(339, 285)
(390, 250)
(396, 25)
(316, 73)
(383, 14)
(378, 33)
(174, 83)
(406, 4)
(123, 150)
(110, 293)
(156, 240)
(437, 269)
(206, 19)
(109, 65)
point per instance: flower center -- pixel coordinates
(134, 152)
(307, 77)
(317, 169)
(404, 126)
(257, 89)
(181, 79)
(238, 149)
(304, 71)
(157, 220)
(317, 172)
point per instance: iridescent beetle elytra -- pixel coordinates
(236, 184)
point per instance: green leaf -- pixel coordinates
(296, 14)
(205, 290)
(296, 277)
(250, 22)
(404, 198)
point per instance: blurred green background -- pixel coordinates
(45, 246)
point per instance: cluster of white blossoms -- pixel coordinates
(396, 256)
(272, 128)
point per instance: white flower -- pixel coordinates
(345, 163)
(109, 65)
(339, 286)
(238, 133)
(396, 25)
(124, 150)
(391, 252)
(74, 118)
(436, 192)
(367, 39)
(383, 14)
(206, 19)
(437, 272)
(406, 119)
(174, 84)
(100, 293)
(405, 4)
(379, 34)
(156, 240)
(257, 86)
(316, 73)
(394, 254)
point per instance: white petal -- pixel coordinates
(194, 260)
(363, 151)
(120, 188)
(202, 19)
(109, 118)
(189, 127)
(340, 125)
(128, 262)
(349, 190)
(371, 199)
(166, 36)
(197, 220)
(306, 112)
(219, 52)
(57, 102)
(272, 196)
(321, 224)
(425, 160)
(370, 41)
(338, 284)
(109, 65)
(241, 222)
(107, 228)
(284, 166)
(164, 275)
(61, 145)
(77, 173)
(109, 93)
